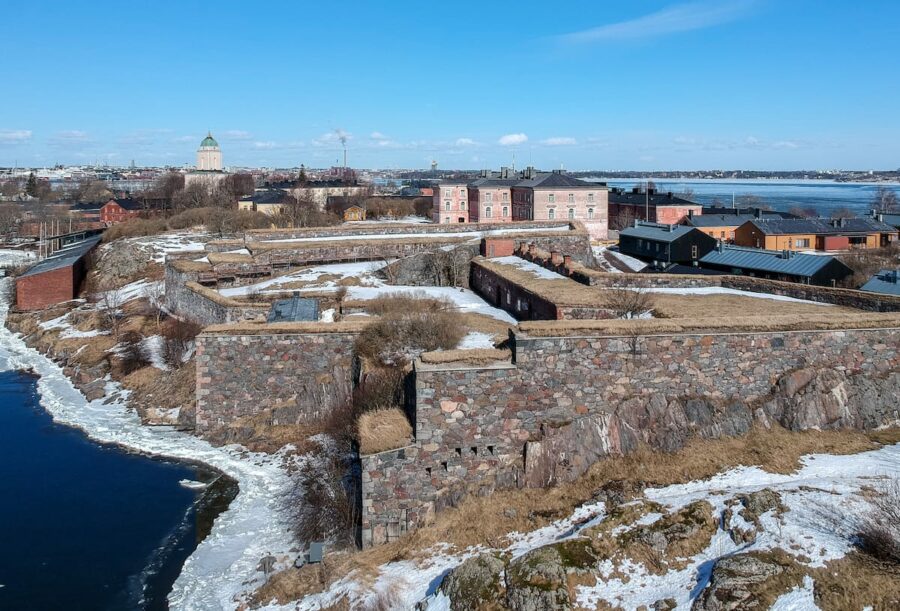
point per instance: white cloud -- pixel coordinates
(785, 144)
(236, 134)
(378, 136)
(15, 136)
(181, 139)
(512, 139)
(559, 141)
(265, 145)
(465, 142)
(677, 18)
(72, 135)
(334, 138)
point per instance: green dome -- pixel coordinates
(209, 141)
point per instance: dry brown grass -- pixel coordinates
(216, 296)
(479, 356)
(667, 305)
(792, 322)
(228, 257)
(856, 582)
(383, 429)
(483, 323)
(185, 265)
(351, 241)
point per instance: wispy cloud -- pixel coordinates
(747, 143)
(378, 136)
(559, 141)
(72, 135)
(335, 138)
(512, 139)
(14, 136)
(236, 134)
(465, 142)
(671, 20)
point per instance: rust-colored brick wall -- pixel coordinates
(39, 291)
(497, 247)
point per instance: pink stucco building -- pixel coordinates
(508, 196)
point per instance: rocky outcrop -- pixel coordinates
(747, 581)
(476, 584)
(741, 518)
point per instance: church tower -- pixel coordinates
(209, 155)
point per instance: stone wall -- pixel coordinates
(291, 373)
(419, 229)
(566, 402)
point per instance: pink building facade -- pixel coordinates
(451, 203)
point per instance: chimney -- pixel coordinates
(894, 276)
(635, 223)
(555, 257)
(532, 248)
(690, 214)
(669, 194)
(720, 246)
(635, 189)
(757, 212)
(504, 172)
(785, 254)
(567, 261)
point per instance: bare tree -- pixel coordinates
(843, 213)
(628, 303)
(885, 199)
(10, 215)
(155, 292)
(111, 300)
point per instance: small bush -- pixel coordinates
(627, 303)
(381, 388)
(324, 501)
(400, 337)
(878, 533)
(134, 227)
(409, 303)
(178, 341)
(131, 353)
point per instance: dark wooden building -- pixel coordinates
(662, 245)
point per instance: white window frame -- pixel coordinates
(551, 198)
(571, 214)
(447, 206)
(488, 212)
(590, 214)
(591, 197)
(571, 198)
(551, 213)
(505, 211)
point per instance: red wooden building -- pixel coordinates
(121, 209)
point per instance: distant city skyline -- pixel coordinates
(643, 85)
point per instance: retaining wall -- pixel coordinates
(344, 231)
(566, 402)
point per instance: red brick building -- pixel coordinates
(120, 209)
(57, 278)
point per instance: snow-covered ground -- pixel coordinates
(404, 220)
(476, 339)
(823, 483)
(717, 290)
(631, 263)
(363, 270)
(172, 242)
(452, 234)
(255, 525)
(466, 301)
(533, 268)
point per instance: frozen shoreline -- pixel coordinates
(226, 563)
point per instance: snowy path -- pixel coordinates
(223, 565)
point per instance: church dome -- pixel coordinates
(209, 141)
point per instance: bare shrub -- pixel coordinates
(381, 388)
(415, 302)
(155, 292)
(867, 262)
(383, 429)
(134, 227)
(131, 353)
(628, 303)
(178, 341)
(110, 303)
(400, 337)
(878, 532)
(324, 501)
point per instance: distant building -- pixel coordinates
(784, 265)
(721, 223)
(209, 169)
(626, 206)
(318, 191)
(117, 210)
(267, 201)
(665, 244)
(885, 282)
(529, 195)
(891, 218)
(815, 234)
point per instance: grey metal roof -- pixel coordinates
(774, 261)
(718, 220)
(892, 219)
(657, 232)
(64, 257)
(295, 309)
(619, 195)
(886, 282)
(557, 180)
(820, 226)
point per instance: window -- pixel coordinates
(571, 198)
(505, 196)
(802, 242)
(446, 205)
(551, 214)
(447, 219)
(462, 205)
(590, 213)
(462, 192)
(723, 234)
(551, 198)
(488, 197)
(693, 251)
(487, 212)
(571, 213)
(591, 197)
(505, 211)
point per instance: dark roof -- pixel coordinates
(311, 184)
(86, 206)
(621, 196)
(684, 270)
(774, 261)
(891, 218)
(344, 203)
(294, 309)
(820, 226)
(63, 257)
(127, 203)
(551, 180)
(886, 282)
(656, 232)
(269, 196)
(747, 211)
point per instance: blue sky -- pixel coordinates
(639, 84)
